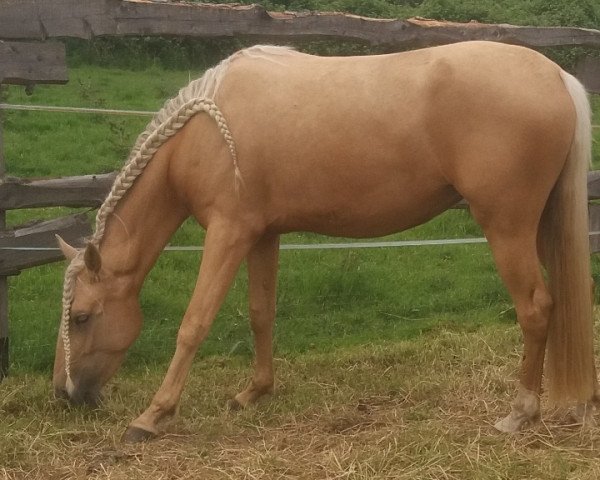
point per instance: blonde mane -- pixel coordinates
(197, 96)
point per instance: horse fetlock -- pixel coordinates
(163, 412)
(254, 391)
(258, 389)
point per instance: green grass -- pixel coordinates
(50, 144)
(387, 410)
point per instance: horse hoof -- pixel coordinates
(234, 406)
(513, 423)
(137, 435)
(583, 414)
(507, 425)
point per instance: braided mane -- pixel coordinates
(197, 96)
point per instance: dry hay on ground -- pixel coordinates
(419, 409)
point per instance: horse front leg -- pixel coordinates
(225, 246)
(262, 285)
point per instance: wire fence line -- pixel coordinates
(314, 246)
(307, 246)
(59, 109)
(101, 111)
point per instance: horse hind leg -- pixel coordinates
(516, 258)
(262, 283)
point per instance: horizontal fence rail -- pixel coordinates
(79, 191)
(43, 19)
(313, 246)
(23, 63)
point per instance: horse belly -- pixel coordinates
(352, 211)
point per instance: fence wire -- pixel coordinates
(101, 111)
(314, 246)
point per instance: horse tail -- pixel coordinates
(570, 368)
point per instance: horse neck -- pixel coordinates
(142, 223)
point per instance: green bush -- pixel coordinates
(580, 13)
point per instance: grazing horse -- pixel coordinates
(272, 140)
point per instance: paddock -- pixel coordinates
(392, 362)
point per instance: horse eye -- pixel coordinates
(81, 318)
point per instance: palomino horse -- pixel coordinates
(356, 147)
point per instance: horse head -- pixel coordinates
(101, 319)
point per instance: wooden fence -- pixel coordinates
(28, 57)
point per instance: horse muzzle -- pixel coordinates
(90, 397)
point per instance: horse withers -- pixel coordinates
(272, 140)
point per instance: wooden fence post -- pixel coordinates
(3, 280)
(22, 63)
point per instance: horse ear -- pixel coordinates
(68, 251)
(92, 258)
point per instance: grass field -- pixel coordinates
(392, 363)
(414, 409)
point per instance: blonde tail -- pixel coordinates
(570, 368)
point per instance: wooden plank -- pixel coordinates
(588, 73)
(73, 229)
(82, 191)
(594, 185)
(25, 63)
(594, 222)
(90, 191)
(41, 19)
(3, 280)
(4, 328)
